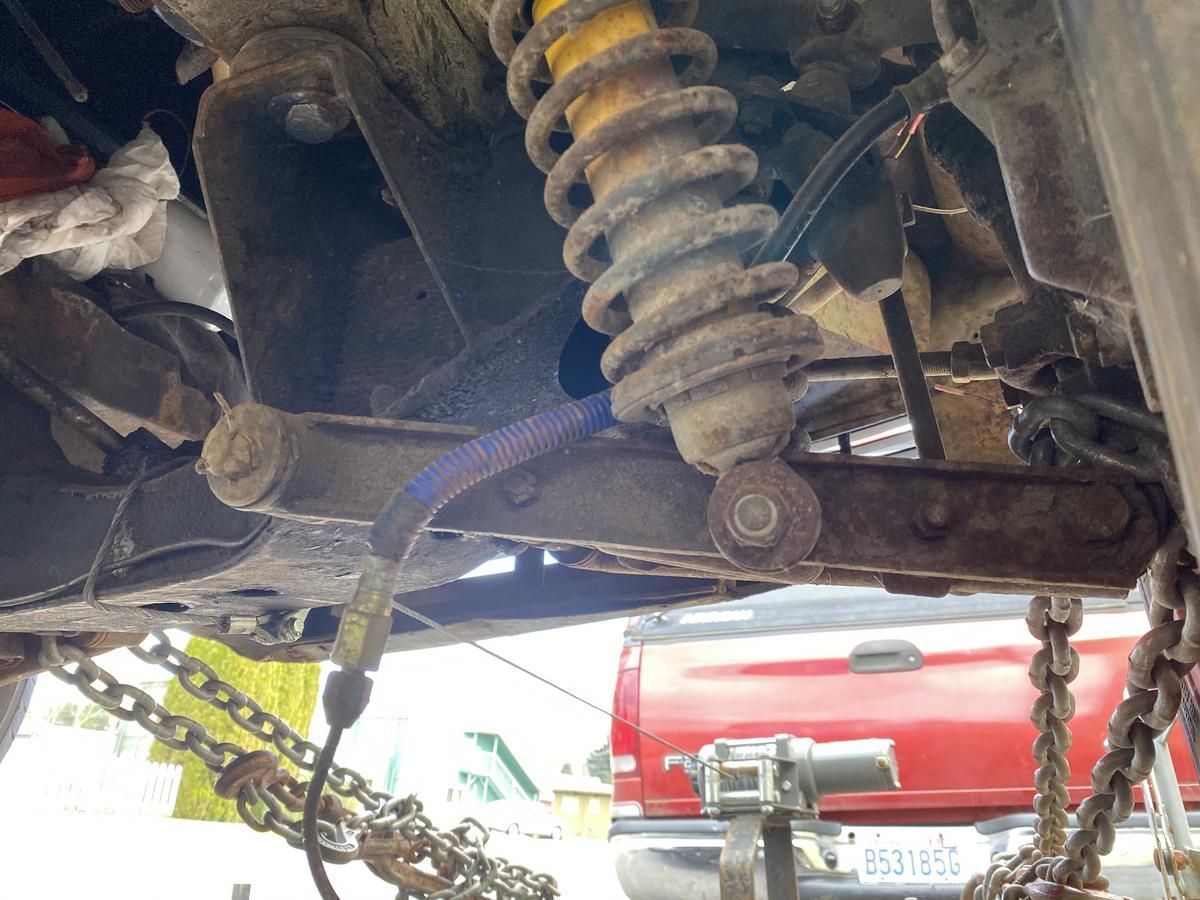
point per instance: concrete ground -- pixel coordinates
(54, 856)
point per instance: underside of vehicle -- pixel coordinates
(766, 230)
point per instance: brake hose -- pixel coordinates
(367, 618)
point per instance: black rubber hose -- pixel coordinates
(155, 308)
(312, 808)
(806, 204)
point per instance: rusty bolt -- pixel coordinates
(932, 521)
(1104, 521)
(520, 487)
(1177, 863)
(311, 116)
(834, 15)
(754, 520)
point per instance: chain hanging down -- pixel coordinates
(1108, 432)
(1154, 687)
(391, 835)
(1052, 620)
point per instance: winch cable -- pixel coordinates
(446, 632)
(921, 94)
(367, 618)
(316, 785)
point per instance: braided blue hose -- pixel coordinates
(490, 454)
(487, 455)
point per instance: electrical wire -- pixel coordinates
(187, 133)
(106, 544)
(906, 135)
(154, 308)
(808, 201)
(29, 600)
(933, 210)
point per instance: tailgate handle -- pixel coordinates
(885, 656)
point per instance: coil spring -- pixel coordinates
(682, 345)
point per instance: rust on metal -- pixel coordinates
(1049, 890)
(740, 854)
(77, 347)
(763, 517)
(407, 876)
(1010, 528)
(692, 346)
(260, 768)
(19, 652)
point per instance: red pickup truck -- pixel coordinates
(839, 664)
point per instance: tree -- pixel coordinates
(566, 769)
(289, 690)
(89, 716)
(599, 765)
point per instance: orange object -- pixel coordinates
(30, 163)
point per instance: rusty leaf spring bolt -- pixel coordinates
(755, 520)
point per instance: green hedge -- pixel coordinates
(289, 690)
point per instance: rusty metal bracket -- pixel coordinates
(739, 859)
(958, 526)
(1013, 79)
(341, 218)
(72, 343)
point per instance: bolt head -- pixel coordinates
(291, 627)
(310, 123)
(1106, 520)
(932, 521)
(754, 520)
(311, 116)
(520, 487)
(834, 15)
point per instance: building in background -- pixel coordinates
(489, 771)
(433, 755)
(582, 802)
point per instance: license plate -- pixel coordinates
(912, 864)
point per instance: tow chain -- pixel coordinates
(1106, 432)
(392, 835)
(1052, 620)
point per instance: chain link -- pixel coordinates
(1154, 687)
(269, 799)
(1053, 621)
(1105, 431)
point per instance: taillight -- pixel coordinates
(624, 741)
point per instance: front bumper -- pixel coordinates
(665, 859)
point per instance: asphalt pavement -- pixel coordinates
(58, 855)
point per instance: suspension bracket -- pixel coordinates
(946, 526)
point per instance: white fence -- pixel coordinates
(87, 782)
(126, 786)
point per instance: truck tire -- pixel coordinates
(14, 702)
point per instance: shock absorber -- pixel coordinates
(696, 342)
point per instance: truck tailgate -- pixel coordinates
(958, 710)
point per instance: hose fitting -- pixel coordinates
(367, 619)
